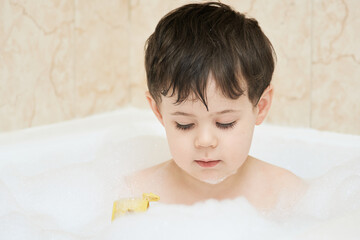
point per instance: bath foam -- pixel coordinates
(62, 185)
(230, 219)
(339, 188)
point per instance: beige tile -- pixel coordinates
(46, 15)
(144, 17)
(336, 62)
(102, 56)
(336, 25)
(57, 63)
(35, 63)
(288, 26)
(335, 98)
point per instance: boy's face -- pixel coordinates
(210, 145)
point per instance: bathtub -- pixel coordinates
(59, 182)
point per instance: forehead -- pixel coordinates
(216, 102)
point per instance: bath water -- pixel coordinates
(59, 182)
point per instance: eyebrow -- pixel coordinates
(192, 115)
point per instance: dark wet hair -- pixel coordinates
(195, 40)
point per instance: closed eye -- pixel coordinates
(226, 125)
(184, 126)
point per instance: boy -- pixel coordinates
(209, 70)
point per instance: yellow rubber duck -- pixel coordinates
(122, 206)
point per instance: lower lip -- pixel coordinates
(208, 164)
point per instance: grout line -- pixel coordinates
(75, 98)
(311, 59)
(129, 38)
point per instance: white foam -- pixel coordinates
(62, 185)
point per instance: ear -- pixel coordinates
(264, 104)
(154, 107)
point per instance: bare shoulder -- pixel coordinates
(282, 184)
(278, 176)
(147, 180)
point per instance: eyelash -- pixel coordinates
(226, 125)
(184, 127)
(219, 125)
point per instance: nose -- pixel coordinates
(205, 139)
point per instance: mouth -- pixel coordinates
(207, 163)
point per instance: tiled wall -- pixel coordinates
(68, 59)
(61, 60)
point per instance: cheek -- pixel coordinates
(238, 144)
(179, 143)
